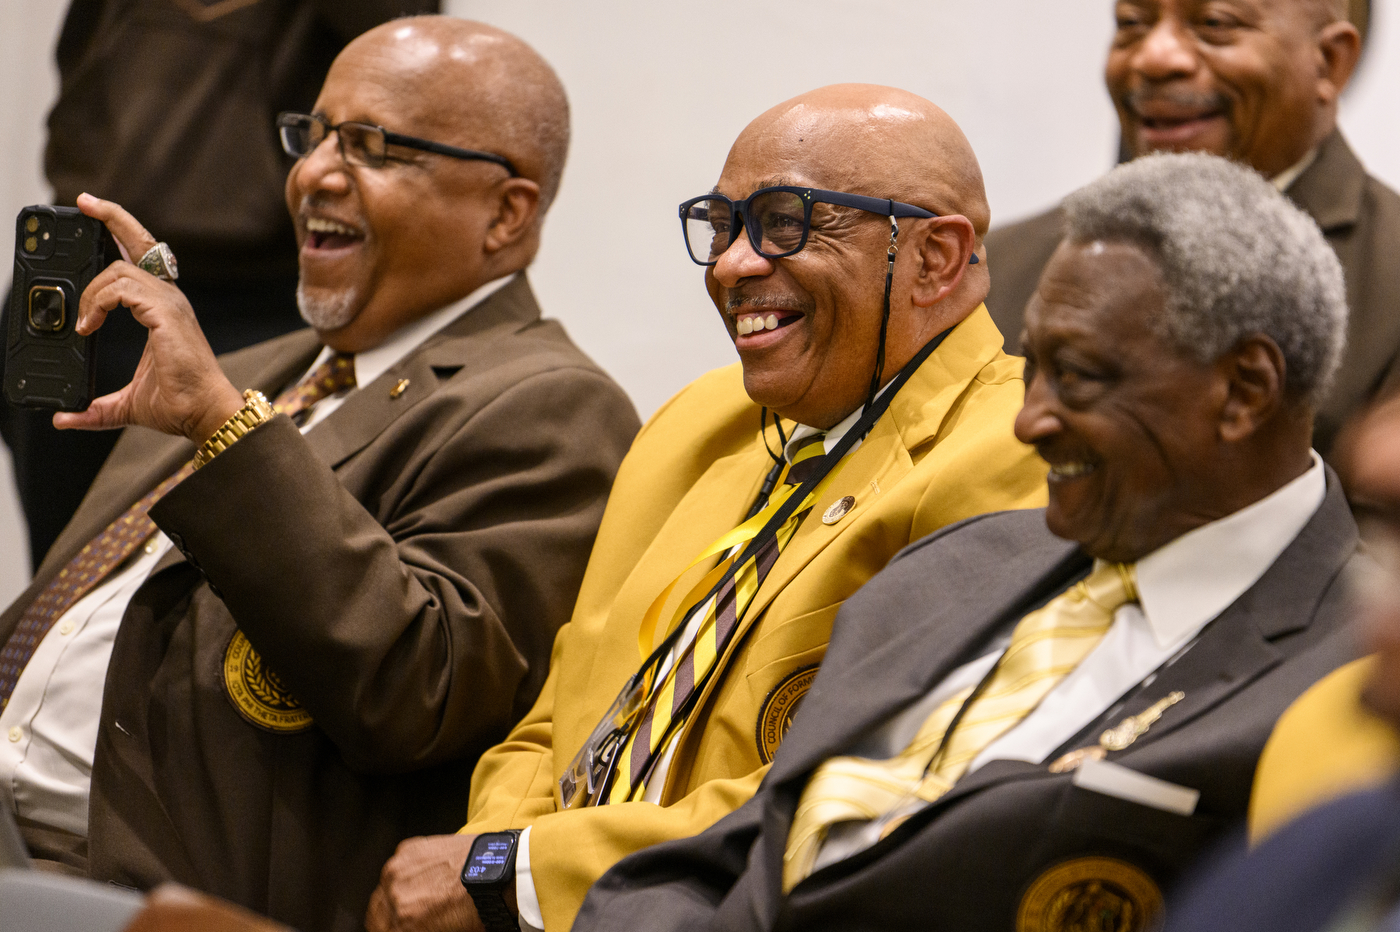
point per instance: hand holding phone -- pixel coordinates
(178, 387)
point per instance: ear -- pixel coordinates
(943, 246)
(1339, 45)
(515, 215)
(1255, 373)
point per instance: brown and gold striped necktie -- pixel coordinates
(120, 539)
(668, 703)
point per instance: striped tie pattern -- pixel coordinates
(120, 539)
(1046, 645)
(667, 705)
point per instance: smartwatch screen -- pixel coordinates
(490, 858)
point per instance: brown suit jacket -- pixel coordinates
(401, 570)
(1360, 217)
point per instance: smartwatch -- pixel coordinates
(489, 870)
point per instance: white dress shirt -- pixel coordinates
(50, 726)
(1182, 586)
(526, 899)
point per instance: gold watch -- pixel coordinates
(255, 411)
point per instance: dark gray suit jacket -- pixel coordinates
(401, 570)
(1360, 217)
(966, 861)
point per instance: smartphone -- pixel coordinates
(58, 251)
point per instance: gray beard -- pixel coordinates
(328, 313)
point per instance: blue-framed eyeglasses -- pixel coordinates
(778, 219)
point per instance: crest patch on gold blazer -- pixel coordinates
(778, 709)
(257, 693)
(1091, 895)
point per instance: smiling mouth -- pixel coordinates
(746, 324)
(1061, 472)
(323, 233)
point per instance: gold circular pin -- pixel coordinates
(838, 509)
(1094, 894)
(257, 693)
(778, 709)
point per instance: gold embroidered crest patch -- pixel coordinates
(257, 693)
(1091, 895)
(778, 709)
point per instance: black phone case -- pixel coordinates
(54, 368)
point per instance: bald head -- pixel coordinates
(809, 326)
(479, 85)
(880, 141)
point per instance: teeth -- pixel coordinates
(322, 225)
(1070, 470)
(756, 324)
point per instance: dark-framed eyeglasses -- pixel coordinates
(778, 219)
(364, 143)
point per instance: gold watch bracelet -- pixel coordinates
(255, 411)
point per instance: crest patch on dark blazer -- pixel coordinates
(775, 718)
(1094, 894)
(257, 693)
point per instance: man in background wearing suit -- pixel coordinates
(1256, 81)
(356, 591)
(1036, 729)
(805, 279)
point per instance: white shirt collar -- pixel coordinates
(1187, 582)
(1283, 179)
(834, 434)
(372, 363)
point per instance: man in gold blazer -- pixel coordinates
(352, 597)
(797, 249)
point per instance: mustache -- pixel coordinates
(1136, 99)
(735, 302)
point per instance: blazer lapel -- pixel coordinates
(915, 653)
(914, 419)
(1238, 646)
(465, 342)
(1333, 187)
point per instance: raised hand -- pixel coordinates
(178, 387)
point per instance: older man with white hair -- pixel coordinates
(1033, 719)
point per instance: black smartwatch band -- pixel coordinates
(495, 914)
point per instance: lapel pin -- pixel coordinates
(838, 509)
(398, 389)
(1120, 736)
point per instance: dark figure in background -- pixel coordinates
(1256, 81)
(167, 107)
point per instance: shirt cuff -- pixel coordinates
(531, 920)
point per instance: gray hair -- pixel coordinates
(1236, 257)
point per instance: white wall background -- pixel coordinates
(660, 90)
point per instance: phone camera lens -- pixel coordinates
(46, 308)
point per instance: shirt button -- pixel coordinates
(66, 628)
(151, 547)
(16, 733)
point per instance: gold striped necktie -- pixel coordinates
(668, 703)
(120, 539)
(1046, 645)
